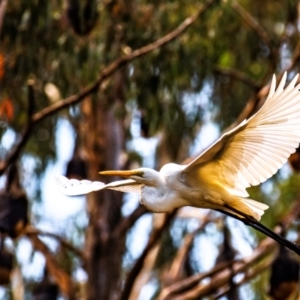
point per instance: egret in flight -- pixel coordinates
(217, 179)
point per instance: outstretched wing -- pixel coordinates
(254, 150)
(74, 187)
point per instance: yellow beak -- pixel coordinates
(122, 173)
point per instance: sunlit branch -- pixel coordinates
(60, 276)
(155, 236)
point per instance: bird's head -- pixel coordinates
(142, 175)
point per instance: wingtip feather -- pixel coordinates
(74, 187)
(272, 87)
(281, 83)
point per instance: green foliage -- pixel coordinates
(159, 81)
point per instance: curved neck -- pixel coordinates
(151, 178)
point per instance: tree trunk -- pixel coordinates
(104, 140)
(104, 143)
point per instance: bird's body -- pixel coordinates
(173, 188)
(217, 179)
(168, 192)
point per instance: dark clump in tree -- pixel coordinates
(284, 280)
(13, 206)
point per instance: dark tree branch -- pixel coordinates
(175, 270)
(155, 236)
(104, 74)
(247, 277)
(191, 281)
(14, 154)
(31, 101)
(223, 277)
(295, 58)
(3, 4)
(62, 242)
(250, 221)
(129, 221)
(255, 102)
(239, 76)
(257, 28)
(252, 23)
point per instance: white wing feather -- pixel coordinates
(74, 187)
(254, 150)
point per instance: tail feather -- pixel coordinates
(257, 207)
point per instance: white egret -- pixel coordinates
(217, 179)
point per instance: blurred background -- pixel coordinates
(80, 93)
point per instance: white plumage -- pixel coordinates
(74, 187)
(244, 156)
